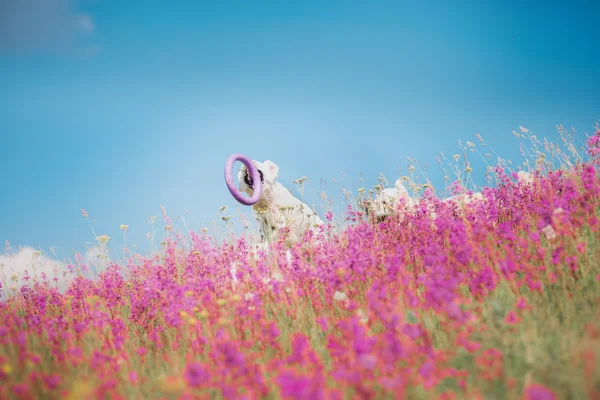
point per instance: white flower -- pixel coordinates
(339, 296)
(103, 239)
(549, 232)
(277, 276)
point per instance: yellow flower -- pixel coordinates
(124, 227)
(183, 314)
(80, 390)
(173, 384)
(221, 301)
(103, 239)
(236, 297)
(6, 368)
(189, 293)
(192, 321)
(203, 314)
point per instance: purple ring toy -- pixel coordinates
(247, 201)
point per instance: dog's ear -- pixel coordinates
(272, 170)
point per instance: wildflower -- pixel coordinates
(223, 208)
(411, 168)
(142, 351)
(203, 314)
(124, 227)
(84, 213)
(204, 230)
(539, 392)
(549, 232)
(133, 378)
(248, 296)
(171, 384)
(523, 129)
(456, 157)
(103, 239)
(188, 293)
(329, 216)
(196, 375)
(511, 318)
(221, 302)
(6, 369)
(339, 296)
(80, 390)
(522, 303)
(323, 323)
(362, 315)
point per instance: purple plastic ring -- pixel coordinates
(247, 201)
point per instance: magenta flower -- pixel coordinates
(539, 392)
(196, 375)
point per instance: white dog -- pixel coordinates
(276, 210)
(277, 207)
(388, 201)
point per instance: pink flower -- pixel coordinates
(522, 303)
(539, 392)
(511, 318)
(329, 216)
(322, 321)
(133, 378)
(142, 351)
(196, 375)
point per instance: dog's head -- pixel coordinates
(268, 171)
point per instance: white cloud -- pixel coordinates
(14, 269)
(40, 25)
(96, 257)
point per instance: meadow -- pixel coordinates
(495, 300)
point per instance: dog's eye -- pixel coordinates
(249, 181)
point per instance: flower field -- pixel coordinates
(497, 299)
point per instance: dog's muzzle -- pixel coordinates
(249, 181)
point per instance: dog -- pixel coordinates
(277, 209)
(388, 201)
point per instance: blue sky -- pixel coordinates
(119, 107)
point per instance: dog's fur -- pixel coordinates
(388, 201)
(277, 208)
